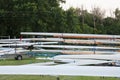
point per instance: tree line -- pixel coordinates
(47, 16)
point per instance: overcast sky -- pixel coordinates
(107, 5)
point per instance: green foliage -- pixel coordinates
(72, 21)
(47, 16)
(87, 29)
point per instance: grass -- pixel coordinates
(28, 77)
(20, 62)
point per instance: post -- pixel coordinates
(15, 48)
(57, 78)
(94, 19)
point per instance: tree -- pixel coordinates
(117, 14)
(29, 15)
(98, 16)
(109, 25)
(72, 21)
(85, 20)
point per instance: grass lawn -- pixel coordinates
(20, 62)
(16, 77)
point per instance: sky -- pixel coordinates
(108, 6)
